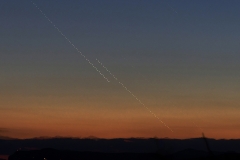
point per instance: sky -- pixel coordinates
(180, 58)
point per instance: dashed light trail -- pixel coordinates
(102, 66)
(134, 95)
(71, 42)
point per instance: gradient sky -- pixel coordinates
(179, 57)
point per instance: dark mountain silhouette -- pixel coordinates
(52, 154)
(7, 138)
(131, 147)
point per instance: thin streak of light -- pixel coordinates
(192, 121)
(198, 126)
(97, 68)
(172, 8)
(70, 42)
(135, 96)
(107, 70)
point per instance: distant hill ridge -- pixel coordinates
(53, 154)
(118, 145)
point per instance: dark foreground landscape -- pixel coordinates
(119, 149)
(52, 154)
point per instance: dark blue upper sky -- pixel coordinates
(170, 53)
(144, 31)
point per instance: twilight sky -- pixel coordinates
(179, 57)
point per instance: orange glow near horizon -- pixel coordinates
(107, 122)
(181, 63)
